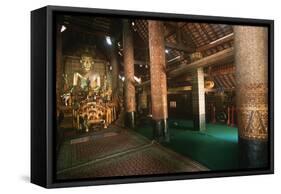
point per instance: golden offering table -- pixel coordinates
(91, 115)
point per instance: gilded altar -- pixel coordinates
(95, 113)
(88, 93)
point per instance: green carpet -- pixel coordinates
(216, 147)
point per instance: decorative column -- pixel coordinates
(59, 65)
(251, 60)
(115, 69)
(128, 52)
(198, 100)
(158, 80)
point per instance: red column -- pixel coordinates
(128, 51)
(158, 79)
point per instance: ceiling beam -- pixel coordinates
(220, 57)
(220, 41)
(139, 62)
(179, 47)
(174, 27)
(177, 30)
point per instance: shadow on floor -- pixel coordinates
(25, 178)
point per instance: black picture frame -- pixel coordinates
(43, 117)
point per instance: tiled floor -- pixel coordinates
(118, 153)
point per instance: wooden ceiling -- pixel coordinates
(201, 37)
(181, 40)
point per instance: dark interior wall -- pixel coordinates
(221, 101)
(183, 102)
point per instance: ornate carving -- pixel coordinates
(253, 111)
(253, 123)
(196, 56)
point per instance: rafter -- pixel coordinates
(220, 57)
(227, 38)
(225, 56)
(179, 47)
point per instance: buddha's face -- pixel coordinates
(87, 63)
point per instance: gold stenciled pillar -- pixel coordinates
(198, 99)
(128, 52)
(251, 60)
(158, 79)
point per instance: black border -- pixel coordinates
(51, 181)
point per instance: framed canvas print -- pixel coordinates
(125, 96)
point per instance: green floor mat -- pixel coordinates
(216, 147)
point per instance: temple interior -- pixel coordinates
(142, 97)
